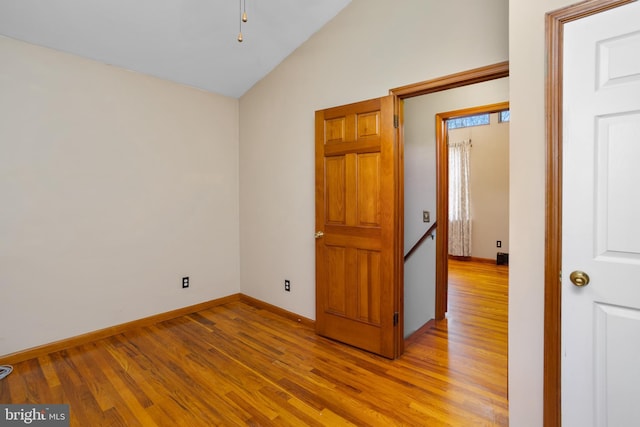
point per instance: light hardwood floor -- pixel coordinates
(239, 365)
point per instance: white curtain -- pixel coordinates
(459, 209)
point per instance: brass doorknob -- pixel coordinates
(579, 278)
(319, 234)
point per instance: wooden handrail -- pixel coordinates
(415, 247)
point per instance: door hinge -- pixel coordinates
(396, 121)
(395, 319)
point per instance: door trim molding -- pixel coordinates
(555, 21)
(451, 81)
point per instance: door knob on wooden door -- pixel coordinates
(579, 278)
(319, 234)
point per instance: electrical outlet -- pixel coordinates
(287, 285)
(498, 243)
(426, 217)
(185, 282)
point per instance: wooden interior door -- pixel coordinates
(357, 282)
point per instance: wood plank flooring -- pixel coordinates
(239, 365)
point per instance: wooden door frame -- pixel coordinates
(451, 81)
(555, 21)
(442, 192)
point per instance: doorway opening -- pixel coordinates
(439, 88)
(478, 290)
(491, 205)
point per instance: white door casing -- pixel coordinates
(600, 359)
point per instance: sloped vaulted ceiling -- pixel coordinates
(192, 42)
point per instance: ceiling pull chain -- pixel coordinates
(240, 33)
(243, 17)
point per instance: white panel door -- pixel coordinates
(601, 220)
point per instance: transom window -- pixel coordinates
(504, 116)
(464, 122)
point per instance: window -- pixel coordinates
(504, 116)
(463, 122)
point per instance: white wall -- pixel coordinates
(113, 185)
(369, 48)
(420, 187)
(488, 185)
(527, 204)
